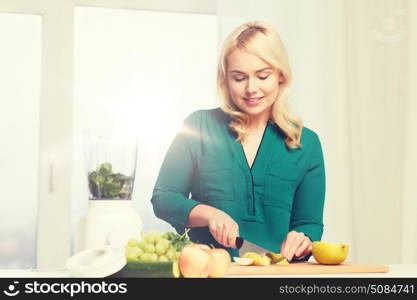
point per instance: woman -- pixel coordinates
(251, 167)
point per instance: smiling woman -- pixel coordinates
(253, 90)
(251, 167)
(263, 60)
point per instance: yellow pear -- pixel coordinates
(329, 253)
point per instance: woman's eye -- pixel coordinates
(263, 78)
(239, 79)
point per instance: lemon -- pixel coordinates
(329, 253)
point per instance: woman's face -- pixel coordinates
(252, 83)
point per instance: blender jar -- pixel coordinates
(111, 166)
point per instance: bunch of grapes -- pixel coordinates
(152, 247)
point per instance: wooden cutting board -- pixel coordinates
(305, 268)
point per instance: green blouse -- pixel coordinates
(283, 191)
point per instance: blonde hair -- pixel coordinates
(262, 40)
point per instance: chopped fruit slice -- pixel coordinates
(257, 259)
(264, 261)
(252, 255)
(243, 261)
(275, 257)
(176, 270)
(283, 262)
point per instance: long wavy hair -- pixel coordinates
(262, 40)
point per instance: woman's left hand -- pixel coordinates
(296, 244)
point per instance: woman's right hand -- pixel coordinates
(223, 228)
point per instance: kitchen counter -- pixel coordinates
(395, 270)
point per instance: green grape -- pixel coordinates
(170, 235)
(133, 242)
(171, 254)
(139, 251)
(149, 248)
(152, 237)
(141, 245)
(131, 253)
(165, 242)
(148, 238)
(163, 258)
(177, 255)
(158, 239)
(146, 257)
(154, 257)
(161, 248)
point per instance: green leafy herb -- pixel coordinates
(104, 184)
(178, 241)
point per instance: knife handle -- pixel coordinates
(239, 241)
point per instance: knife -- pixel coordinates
(246, 246)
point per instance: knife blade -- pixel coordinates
(247, 246)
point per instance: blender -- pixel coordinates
(110, 219)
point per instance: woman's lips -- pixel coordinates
(253, 101)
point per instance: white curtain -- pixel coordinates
(408, 234)
(353, 84)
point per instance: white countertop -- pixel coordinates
(395, 270)
(34, 273)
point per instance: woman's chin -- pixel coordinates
(256, 112)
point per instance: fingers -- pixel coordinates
(230, 232)
(224, 235)
(306, 248)
(217, 232)
(297, 241)
(234, 233)
(301, 251)
(296, 244)
(289, 241)
(224, 231)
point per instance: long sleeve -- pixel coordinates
(170, 197)
(307, 211)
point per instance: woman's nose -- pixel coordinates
(251, 86)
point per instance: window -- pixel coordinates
(20, 61)
(141, 72)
